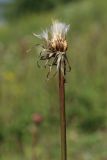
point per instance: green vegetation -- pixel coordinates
(26, 6)
(25, 91)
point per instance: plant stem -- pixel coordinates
(62, 114)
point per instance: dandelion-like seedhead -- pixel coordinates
(54, 46)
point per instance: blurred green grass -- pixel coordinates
(25, 91)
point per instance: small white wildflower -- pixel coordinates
(56, 46)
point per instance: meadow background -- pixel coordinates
(29, 104)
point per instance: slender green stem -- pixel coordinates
(62, 115)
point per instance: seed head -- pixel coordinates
(54, 45)
(58, 36)
(55, 37)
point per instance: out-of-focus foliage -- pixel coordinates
(34, 6)
(21, 7)
(25, 91)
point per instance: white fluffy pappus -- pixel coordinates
(55, 46)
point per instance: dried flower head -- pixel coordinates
(37, 118)
(54, 46)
